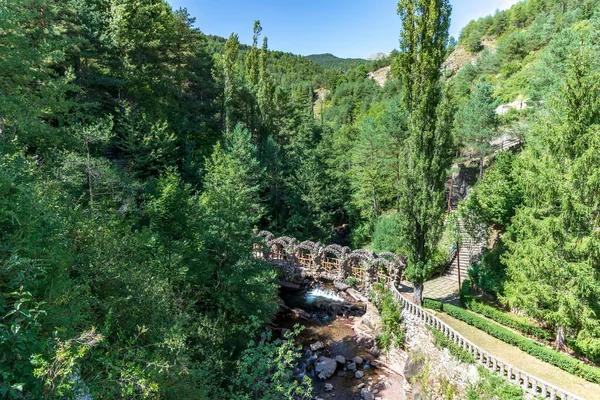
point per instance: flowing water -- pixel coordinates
(328, 294)
(332, 317)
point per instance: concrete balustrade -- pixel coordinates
(527, 382)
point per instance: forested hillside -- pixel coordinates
(537, 208)
(138, 154)
(330, 61)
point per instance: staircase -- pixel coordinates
(469, 252)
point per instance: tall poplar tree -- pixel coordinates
(430, 144)
(229, 67)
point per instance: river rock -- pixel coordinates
(358, 360)
(289, 285)
(325, 367)
(352, 366)
(340, 359)
(413, 367)
(300, 313)
(328, 387)
(359, 374)
(366, 394)
(374, 351)
(341, 286)
(362, 385)
(317, 346)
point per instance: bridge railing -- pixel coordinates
(512, 374)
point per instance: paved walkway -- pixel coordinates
(522, 360)
(442, 288)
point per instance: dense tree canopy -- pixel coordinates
(138, 154)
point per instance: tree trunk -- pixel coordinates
(418, 294)
(481, 167)
(89, 173)
(458, 263)
(560, 343)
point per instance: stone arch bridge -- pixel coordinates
(333, 262)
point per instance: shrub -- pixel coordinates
(390, 311)
(474, 42)
(491, 386)
(385, 236)
(455, 350)
(586, 344)
(476, 305)
(562, 361)
(384, 341)
(433, 304)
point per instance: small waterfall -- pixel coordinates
(324, 293)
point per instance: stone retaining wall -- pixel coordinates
(526, 381)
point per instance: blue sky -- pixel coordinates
(345, 28)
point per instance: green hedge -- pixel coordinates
(433, 304)
(476, 305)
(442, 341)
(562, 361)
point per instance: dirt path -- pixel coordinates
(524, 361)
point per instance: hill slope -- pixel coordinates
(328, 60)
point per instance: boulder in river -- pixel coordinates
(340, 359)
(300, 313)
(325, 367)
(352, 366)
(359, 374)
(317, 346)
(341, 286)
(358, 360)
(366, 394)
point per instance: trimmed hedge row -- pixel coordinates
(432, 304)
(562, 361)
(476, 305)
(442, 341)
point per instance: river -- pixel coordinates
(336, 319)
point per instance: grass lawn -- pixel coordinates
(524, 361)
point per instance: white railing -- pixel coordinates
(526, 381)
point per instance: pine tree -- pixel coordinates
(430, 145)
(552, 262)
(371, 172)
(476, 122)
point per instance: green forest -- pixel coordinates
(138, 154)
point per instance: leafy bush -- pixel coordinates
(474, 42)
(491, 386)
(352, 281)
(496, 197)
(442, 341)
(562, 361)
(390, 311)
(19, 339)
(587, 345)
(385, 237)
(490, 273)
(476, 305)
(384, 341)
